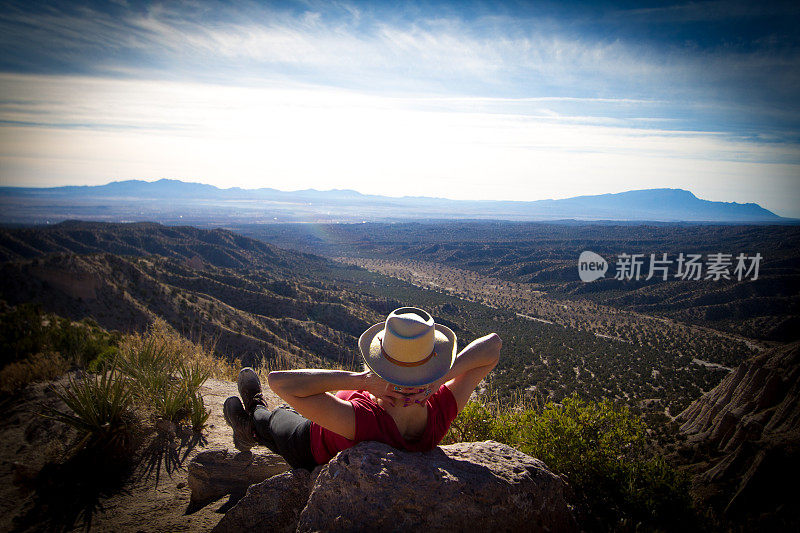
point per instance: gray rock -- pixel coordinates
(273, 505)
(216, 473)
(466, 486)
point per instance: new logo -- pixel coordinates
(591, 266)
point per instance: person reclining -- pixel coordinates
(413, 386)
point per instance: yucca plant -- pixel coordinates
(164, 382)
(149, 366)
(173, 401)
(198, 413)
(99, 404)
(193, 375)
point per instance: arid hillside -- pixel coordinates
(253, 316)
(544, 257)
(216, 247)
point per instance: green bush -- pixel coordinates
(79, 342)
(22, 333)
(601, 448)
(103, 359)
(27, 334)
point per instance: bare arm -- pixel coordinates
(472, 364)
(308, 391)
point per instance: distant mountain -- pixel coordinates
(663, 204)
(173, 201)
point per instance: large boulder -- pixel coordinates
(273, 505)
(475, 485)
(217, 473)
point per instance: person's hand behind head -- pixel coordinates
(420, 394)
(380, 388)
(398, 395)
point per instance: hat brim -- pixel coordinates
(409, 376)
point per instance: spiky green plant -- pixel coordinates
(149, 366)
(165, 382)
(193, 375)
(99, 404)
(198, 412)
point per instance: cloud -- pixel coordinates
(709, 11)
(293, 136)
(435, 51)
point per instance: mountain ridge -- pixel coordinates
(169, 200)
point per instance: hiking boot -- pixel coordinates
(250, 389)
(241, 423)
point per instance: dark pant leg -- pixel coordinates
(286, 433)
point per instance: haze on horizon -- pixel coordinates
(461, 100)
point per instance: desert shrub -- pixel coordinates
(201, 352)
(26, 330)
(151, 369)
(38, 346)
(99, 405)
(103, 359)
(473, 423)
(166, 372)
(601, 448)
(192, 377)
(37, 367)
(79, 342)
(22, 332)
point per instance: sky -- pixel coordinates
(463, 100)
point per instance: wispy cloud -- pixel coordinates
(498, 53)
(339, 45)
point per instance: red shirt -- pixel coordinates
(373, 422)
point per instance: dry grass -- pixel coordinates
(37, 367)
(199, 353)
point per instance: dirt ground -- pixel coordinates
(37, 492)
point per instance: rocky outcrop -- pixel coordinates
(465, 486)
(744, 438)
(273, 505)
(217, 473)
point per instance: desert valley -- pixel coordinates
(293, 296)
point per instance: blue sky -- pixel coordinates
(501, 100)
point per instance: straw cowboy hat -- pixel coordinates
(409, 349)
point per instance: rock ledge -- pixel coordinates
(459, 487)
